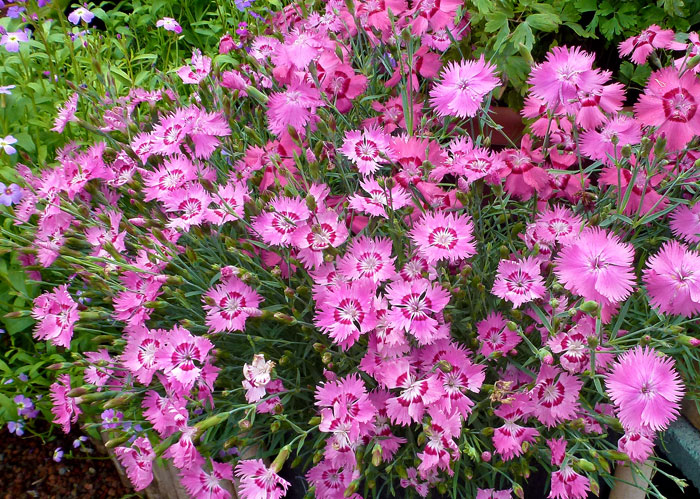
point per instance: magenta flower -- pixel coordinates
(646, 389)
(638, 445)
(368, 149)
(197, 71)
(12, 40)
(555, 396)
(295, 107)
(414, 307)
(440, 448)
(81, 13)
(441, 235)
(567, 484)
(169, 24)
(670, 103)
(201, 484)
(190, 206)
(183, 355)
(347, 312)
(321, 232)
(139, 355)
(495, 336)
(508, 439)
(260, 482)
(276, 225)
(416, 393)
(494, 494)
(598, 144)
(672, 279)
(368, 258)
(642, 45)
(558, 79)
(10, 194)
(66, 113)
(380, 198)
(519, 281)
(229, 305)
(597, 266)
(685, 222)
(56, 313)
(330, 480)
(558, 225)
(64, 408)
(463, 87)
(6, 144)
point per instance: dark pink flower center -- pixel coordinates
(679, 105)
(443, 237)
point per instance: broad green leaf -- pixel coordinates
(543, 22)
(496, 22)
(523, 34)
(586, 5)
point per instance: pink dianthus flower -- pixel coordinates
(463, 87)
(441, 235)
(672, 279)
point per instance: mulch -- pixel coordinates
(27, 470)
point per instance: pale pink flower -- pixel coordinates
(441, 235)
(229, 304)
(330, 480)
(555, 396)
(597, 266)
(519, 281)
(672, 279)
(463, 87)
(260, 482)
(495, 336)
(646, 389)
(64, 408)
(169, 24)
(685, 222)
(138, 462)
(440, 448)
(166, 414)
(642, 45)
(670, 104)
(416, 393)
(183, 453)
(56, 314)
(368, 149)
(567, 484)
(257, 375)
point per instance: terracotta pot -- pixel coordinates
(511, 123)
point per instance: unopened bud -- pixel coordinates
(281, 458)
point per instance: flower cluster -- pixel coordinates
(306, 252)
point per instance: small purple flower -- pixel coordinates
(81, 13)
(16, 427)
(12, 40)
(111, 419)
(14, 11)
(169, 24)
(24, 405)
(7, 89)
(78, 441)
(9, 195)
(6, 144)
(58, 455)
(242, 5)
(22, 376)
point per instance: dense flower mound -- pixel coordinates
(314, 257)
